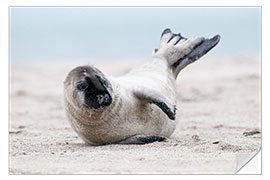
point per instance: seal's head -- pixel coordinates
(88, 86)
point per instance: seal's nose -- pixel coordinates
(82, 85)
(104, 99)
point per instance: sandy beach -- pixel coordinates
(219, 112)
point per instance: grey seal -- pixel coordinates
(138, 107)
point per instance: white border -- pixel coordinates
(4, 66)
(136, 3)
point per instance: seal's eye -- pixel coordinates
(82, 85)
(103, 81)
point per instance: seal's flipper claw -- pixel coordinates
(140, 139)
(154, 51)
(166, 31)
(151, 96)
(165, 37)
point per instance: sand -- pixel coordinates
(219, 106)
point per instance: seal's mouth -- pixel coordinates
(199, 50)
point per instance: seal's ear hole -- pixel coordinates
(82, 85)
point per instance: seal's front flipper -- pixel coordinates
(140, 139)
(150, 96)
(170, 112)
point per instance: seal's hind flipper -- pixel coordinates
(180, 51)
(140, 139)
(150, 96)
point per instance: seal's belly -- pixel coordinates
(143, 120)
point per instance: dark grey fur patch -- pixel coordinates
(199, 50)
(141, 139)
(150, 139)
(187, 56)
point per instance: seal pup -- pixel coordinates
(139, 107)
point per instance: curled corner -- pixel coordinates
(248, 163)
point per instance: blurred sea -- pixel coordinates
(81, 33)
